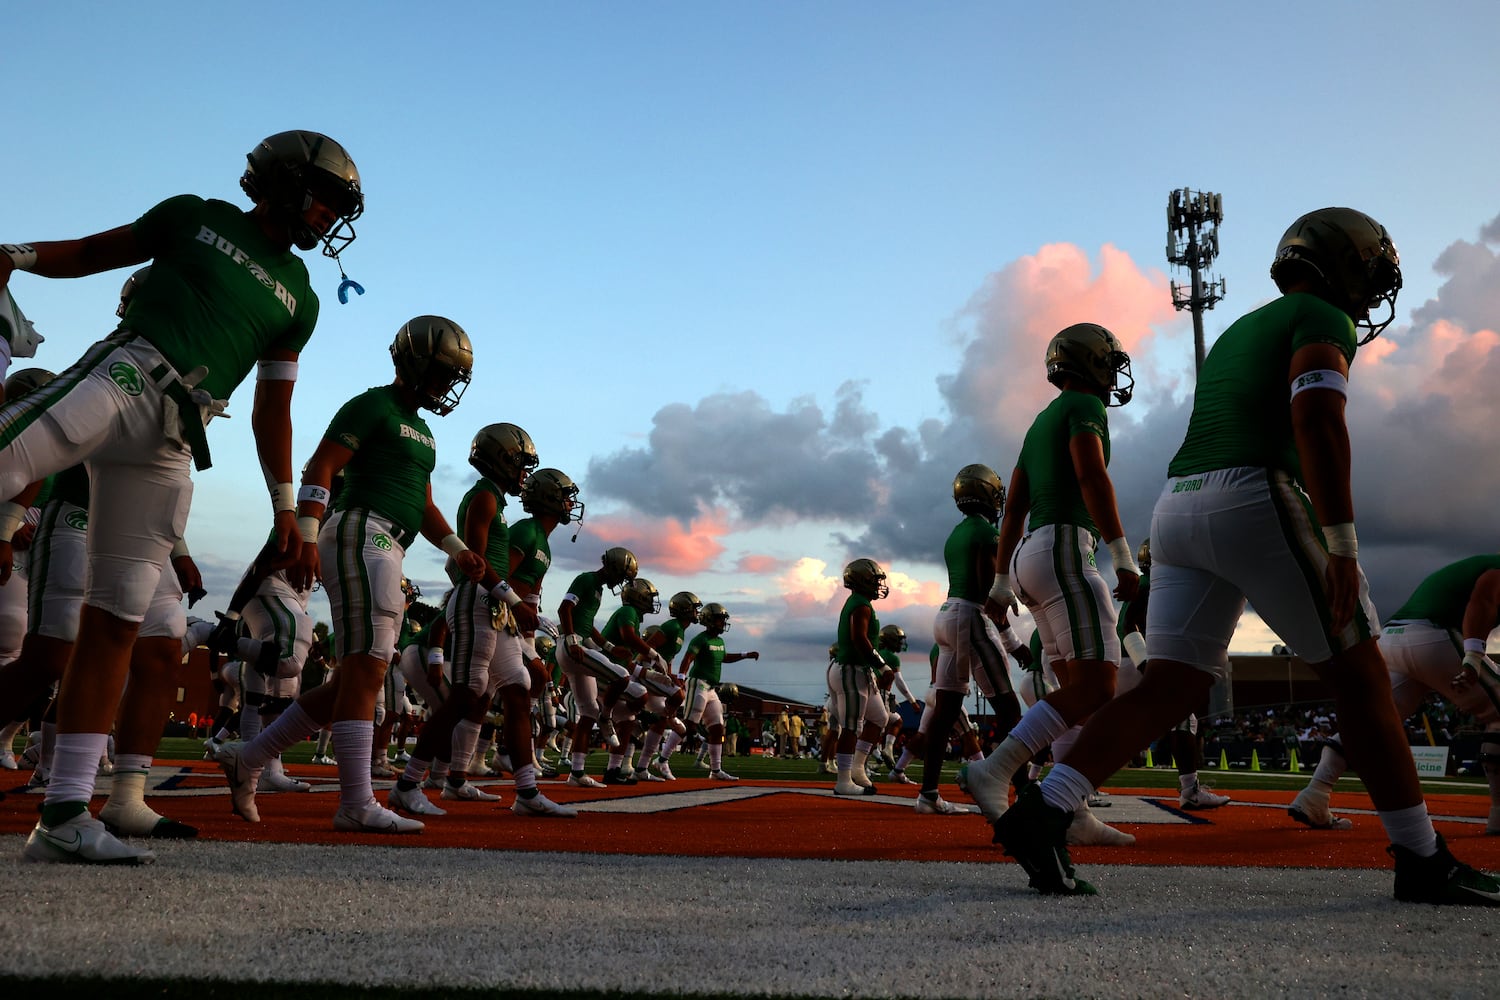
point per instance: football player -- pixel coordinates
(668, 639)
(1258, 507)
(858, 710)
(1062, 482)
(583, 655)
(892, 644)
(638, 597)
(703, 662)
(1434, 643)
(388, 452)
(226, 293)
(1183, 739)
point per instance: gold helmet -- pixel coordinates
(893, 638)
(684, 606)
(128, 290)
(715, 618)
(728, 692)
(650, 631)
(640, 593)
(545, 645)
(290, 170)
(551, 492)
(865, 577)
(19, 383)
(434, 358)
(833, 651)
(503, 454)
(618, 565)
(978, 490)
(1350, 256)
(1143, 554)
(1090, 353)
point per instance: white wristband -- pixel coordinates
(1341, 540)
(452, 544)
(11, 516)
(1474, 646)
(435, 657)
(22, 255)
(314, 493)
(276, 371)
(1120, 555)
(1135, 648)
(180, 548)
(609, 647)
(1000, 591)
(283, 497)
(571, 639)
(503, 591)
(307, 527)
(1323, 378)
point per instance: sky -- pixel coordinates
(762, 277)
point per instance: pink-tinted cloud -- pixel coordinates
(663, 545)
(759, 565)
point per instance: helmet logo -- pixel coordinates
(127, 378)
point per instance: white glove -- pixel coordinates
(1002, 593)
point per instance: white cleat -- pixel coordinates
(989, 790)
(467, 793)
(381, 770)
(1197, 797)
(646, 774)
(1312, 809)
(81, 840)
(8, 760)
(242, 781)
(273, 781)
(211, 748)
(664, 769)
(721, 776)
(842, 787)
(1087, 830)
(581, 780)
(433, 784)
(540, 805)
(373, 818)
(412, 802)
(940, 807)
(324, 760)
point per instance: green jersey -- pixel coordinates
(624, 616)
(497, 545)
(708, 658)
(969, 547)
(588, 590)
(675, 634)
(420, 637)
(409, 631)
(394, 456)
(1242, 410)
(889, 658)
(847, 652)
(1443, 597)
(528, 538)
(1051, 481)
(221, 294)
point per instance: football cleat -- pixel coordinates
(381, 769)
(939, 806)
(646, 774)
(721, 776)
(898, 775)
(540, 805)
(412, 802)
(211, 748)
(242, 781)
(1311, 809)
(663, 768)
(1441, 879)
(1100, 800)
(81, 840)
(467, 793)
(1087, 830)
(579, 779)
(614, 776)
(402, 757)
(373, 818)
(433, 784)
(848, 787)
(829, 767)
(8, 760)
(1033, 833)
(324, 760)
(274, 781)
(1196, 797)
(139, 820)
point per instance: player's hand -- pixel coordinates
(1023, 657)
(547, 625)
(306, 570)
(752, 655)
(525, 616)
(1001, 601)
(288, 538)
(470, 564)
(1342, 577)
(225, 636)
(1127, 584)
(189, 579)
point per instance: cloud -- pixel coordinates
(758, 565)
(663, 545)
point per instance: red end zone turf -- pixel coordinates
(694, 816)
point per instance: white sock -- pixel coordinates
(648, 747)
(716, 756)
(250, 724)
(1186, 781)
(465, 738)
(353, 742)
(1065, 788)
(290, 728)
(1064, 743)
(1411, 828)
(75, 767)
(669, 744)
(1331, 766)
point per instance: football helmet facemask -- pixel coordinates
(641, 594)
(1092, 354)
(715, 618)
(290, 170)
(893, 639)
(978, 490)
(550, 491)
(865, 577)
(128, 290)
(434, 358)
(1351, 256)
(685, 606)
(503, 454)
(410, 590)
(618, 565)
(19, 383)
(544, 644)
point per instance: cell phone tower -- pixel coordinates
(1193, 219)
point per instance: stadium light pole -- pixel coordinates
(1193, 219)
